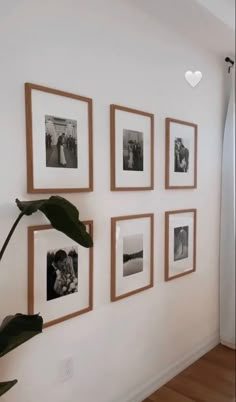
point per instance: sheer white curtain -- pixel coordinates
(227, 241)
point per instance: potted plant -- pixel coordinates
(64, 217)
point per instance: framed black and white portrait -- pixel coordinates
(180, 243)
(132, 149)
(59, 141)
(181, 154)
(131, 255)
(60, 274)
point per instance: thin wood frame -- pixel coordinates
(167, 215)
(169, 120)
(114, 220)
(29, 137)
(31, 230)
(113, 109)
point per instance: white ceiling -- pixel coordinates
(210, 23)
(222, 9)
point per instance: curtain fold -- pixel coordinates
(227, 230)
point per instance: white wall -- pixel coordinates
(114, 53)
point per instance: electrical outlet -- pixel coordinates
(66, 369)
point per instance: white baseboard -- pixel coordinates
(230, 345)
(158, 381)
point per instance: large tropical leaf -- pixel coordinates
(5, 386)
(63, 216)
(18, 329)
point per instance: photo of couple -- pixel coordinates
(181, 155)
(62, 272)
(61, 142)
(132, 150)
(180, 243)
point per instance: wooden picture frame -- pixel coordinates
(181, 154)
(180, 243)
(40, 291)
(59, 141)
(132, 149)
(132, 248)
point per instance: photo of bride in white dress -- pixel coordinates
(62, 155)
(61, 142)
(132, 150)
(60, 150)
(130, 157)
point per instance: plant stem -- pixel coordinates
(10, 235)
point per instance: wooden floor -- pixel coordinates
(210, 379)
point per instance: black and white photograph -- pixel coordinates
(181, 155)
(132, 150)
(59, 139)
(132, 254)
(180, 243)
(61, 142)
(62, 272)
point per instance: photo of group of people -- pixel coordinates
(181, 155)
(132, 150)
(62, 272)
(61, 142)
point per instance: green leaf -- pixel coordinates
(63, 216)
(5, 386)
(18, 329)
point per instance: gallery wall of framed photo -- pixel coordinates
(59, 137)
(85, 58)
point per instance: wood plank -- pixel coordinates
(209, 379)
(222, 356)
(166, 394)
(197, 391)
(212, 376)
